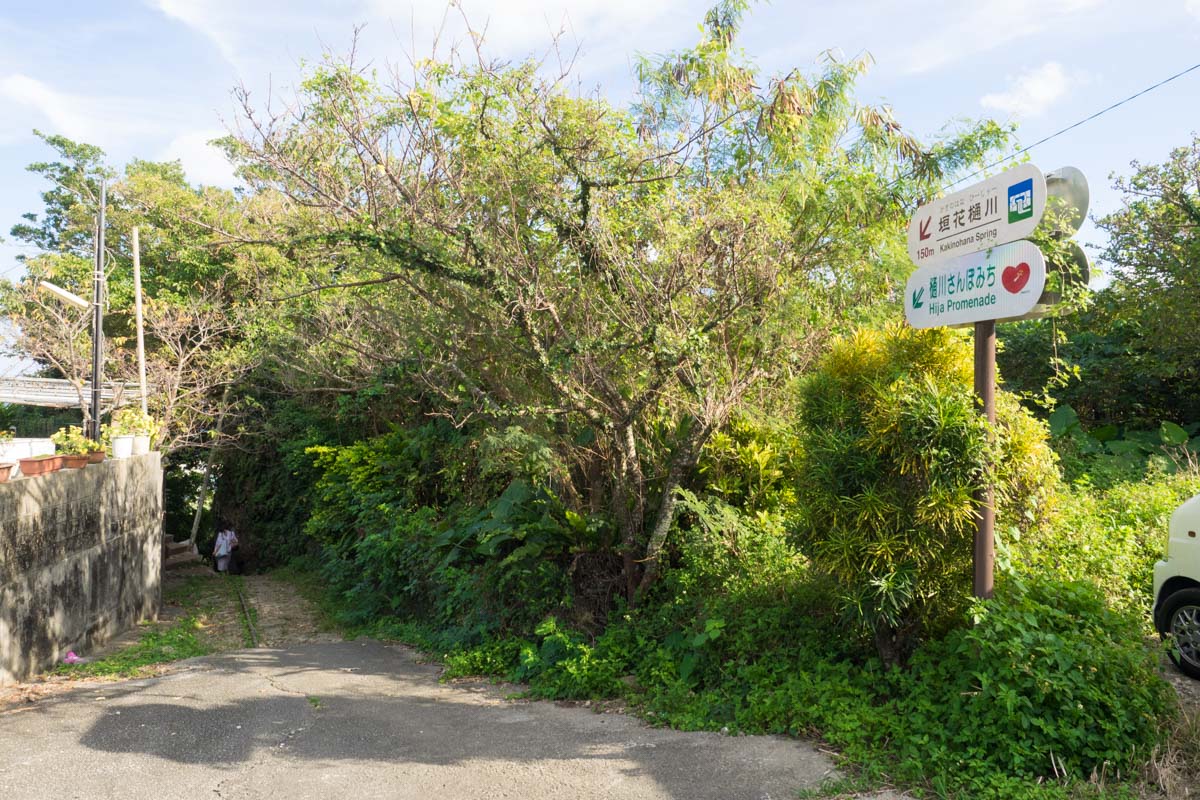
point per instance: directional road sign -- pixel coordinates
(1002, 283)
(996, 211)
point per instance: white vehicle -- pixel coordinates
(1177, 589)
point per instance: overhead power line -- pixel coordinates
(1074, 125)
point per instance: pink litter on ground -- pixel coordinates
(71, 658)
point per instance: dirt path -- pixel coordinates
(281, 615)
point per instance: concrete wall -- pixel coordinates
(80, 560)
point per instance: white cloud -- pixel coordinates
(1192, 7)
(515, 27)
(203, 163)
(61, 111)
(247, 33)
(1033, 92)
(966, 28)
(267, 36)
(27, 102)
(209, 19)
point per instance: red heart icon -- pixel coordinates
(1015, 278)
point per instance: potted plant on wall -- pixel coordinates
(73, 446)
(39, 465)
(119, 444)
(136, 423)
(95, 451)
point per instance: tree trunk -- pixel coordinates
(212, 455)
(680, 464)
(887, 645)
(629, 496)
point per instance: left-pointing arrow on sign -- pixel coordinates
(924, 229)
(918, 298)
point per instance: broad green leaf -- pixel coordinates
(1063, 420)
(1172, 434)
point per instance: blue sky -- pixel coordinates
(152, 78)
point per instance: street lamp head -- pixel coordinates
(64, 295)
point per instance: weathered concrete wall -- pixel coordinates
(80, 559)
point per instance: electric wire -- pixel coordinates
(1072, 126)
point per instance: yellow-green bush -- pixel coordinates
(892, 453)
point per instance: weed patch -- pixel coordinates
(159, 646)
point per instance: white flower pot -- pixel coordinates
(141, 444)
(122, 446)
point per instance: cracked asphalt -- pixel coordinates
(365, 719)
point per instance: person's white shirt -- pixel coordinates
(226, 540)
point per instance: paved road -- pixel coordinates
(364, 720)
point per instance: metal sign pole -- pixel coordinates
(974, 267)
(985, 392)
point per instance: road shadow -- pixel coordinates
(351, 702)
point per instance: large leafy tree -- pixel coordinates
(1154, 241)
(1154, 250)
(617, 282)
(195, 304)
(1135, 350)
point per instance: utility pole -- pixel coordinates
(137, 306)
(98, 319)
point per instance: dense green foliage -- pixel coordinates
(1130, 359)
(613, 401)
(744, 638)
(745, 632)
(613, 283)
(404, 533)
(1111, 537)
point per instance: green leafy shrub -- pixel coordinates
(429, 524)
(1048, 681)
(518, 548)
(752, 465)
(362, 485)
(893, 453)
(1111, 537)
(1110, 454)
(494, 657)
(392, 570)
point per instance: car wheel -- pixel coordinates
(1180, 617)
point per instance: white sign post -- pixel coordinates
(1002, 283)
(968, 272)
(993, 212)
